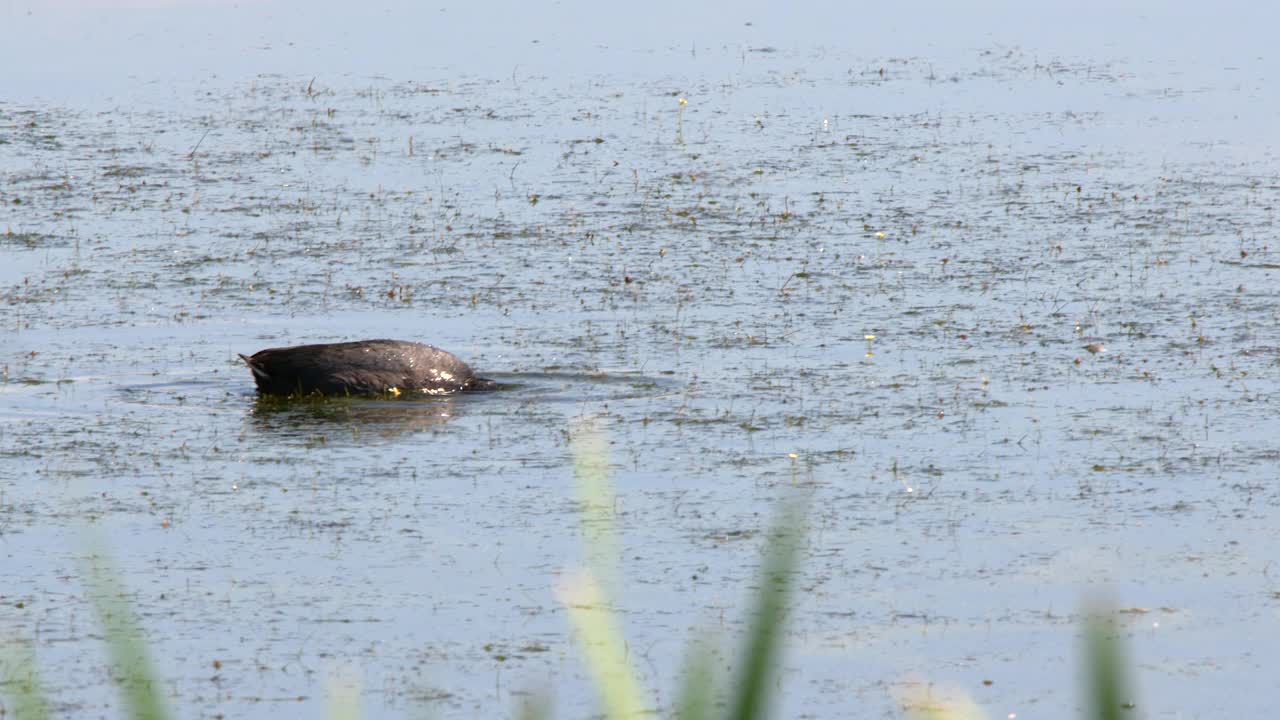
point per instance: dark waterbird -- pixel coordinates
(366, 367)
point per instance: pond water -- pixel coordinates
(995, 291)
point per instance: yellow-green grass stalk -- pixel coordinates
(587, 597)
(590, 446)
(601, 638)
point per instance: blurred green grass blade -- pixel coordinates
(1108, 692)
(21, 684)
(590, 447)
(587, 603)
(125, 644)
(760, 656)
(698, 688)
(605, 648)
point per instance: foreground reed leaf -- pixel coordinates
(605, 648)
(590, 446)
(587, 602)
(760, 656)
(1108, 694)
(698, 687)
(20, 683)
(125, 645)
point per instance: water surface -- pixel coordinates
(868, 261)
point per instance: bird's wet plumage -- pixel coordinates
(366, 367)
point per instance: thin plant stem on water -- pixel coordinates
(680, 122)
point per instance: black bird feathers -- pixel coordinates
(366, 367)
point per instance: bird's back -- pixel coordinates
(361, 368)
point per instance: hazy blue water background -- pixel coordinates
(488, 179)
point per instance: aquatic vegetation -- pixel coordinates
(586, 595)
(703, 694)
(872, 278)
(122, 634)
(126, 644)
(599, 626)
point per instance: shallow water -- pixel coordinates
(865, 273)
